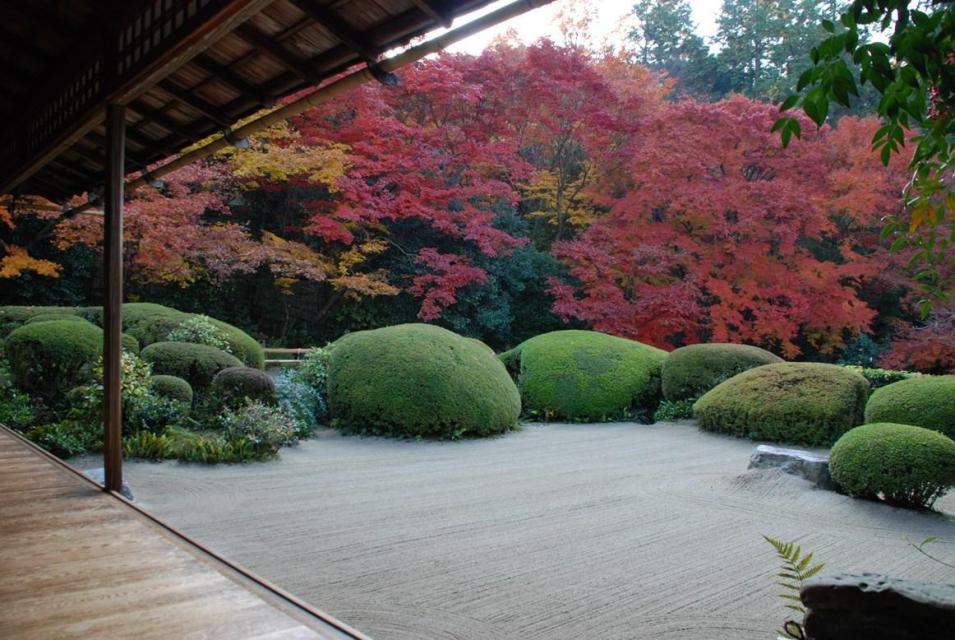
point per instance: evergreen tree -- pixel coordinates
(666, 40)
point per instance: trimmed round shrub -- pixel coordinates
(197, 364)
(50, 358)
(15, 316)
(585, 375)
(232, 387)
(418, 380)
(171, 387)
(245, 347)
(925, 401)
(154, 329)
(798, 403)
(129, 343)
(689, 372)
(47, 317)
(905, 465)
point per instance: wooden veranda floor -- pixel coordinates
(78, 563)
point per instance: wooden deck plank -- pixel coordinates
(78, 563)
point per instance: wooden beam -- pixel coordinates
(338, 28)
(113, 304)
(190, 99)
(263, 43)
(231, 78)
(165, 121)
(433, 12)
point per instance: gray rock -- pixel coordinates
(814, 467)
(99, 475)
(877, 607)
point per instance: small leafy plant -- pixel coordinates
(199, 330)
(673, 410)
(796, 569)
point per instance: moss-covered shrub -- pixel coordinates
(905, 465)
(234, 386)
(47, 317)
(171, 387)
(196, 363)
(925, 401)
(48, 359)
(418, 380)
(15, 316)
(585, 375)
(129, 343)
(799, 403)
(155, 328)
(244, 346)
(689, 372)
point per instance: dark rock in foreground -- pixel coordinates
(877, 607)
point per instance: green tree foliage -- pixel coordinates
(912, 68)
(666, 40)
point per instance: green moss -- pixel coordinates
(905, 465)
(799, 403)
(172, 387)
(48, 359)
(417, 380)
(925, 401)
(585, 375)
(689, 372)
(196, 363)
(234, 386)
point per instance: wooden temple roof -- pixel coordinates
(185, 69)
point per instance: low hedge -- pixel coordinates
(925, 401)
(48, 359)
(586, 375)
(171, 387)
(691, 371)
(905, 465)
(234, 386)
(196, 363)
(798, 403)
(418, 380)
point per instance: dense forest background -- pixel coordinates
(634, 188)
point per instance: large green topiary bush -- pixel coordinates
(689, 372)
(905, 465)
(196, 363)
(925, 401)
(245, 347)
(585, 375)
(50, 358)
(419, 380)
(234, 386)
(799, 403)
(171, 387)
(47, 317)
(155, 328)
(15, 316)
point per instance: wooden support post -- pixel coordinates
(113, 304)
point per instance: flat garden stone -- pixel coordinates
(878, 607)
(814, 467)
(99, 475)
